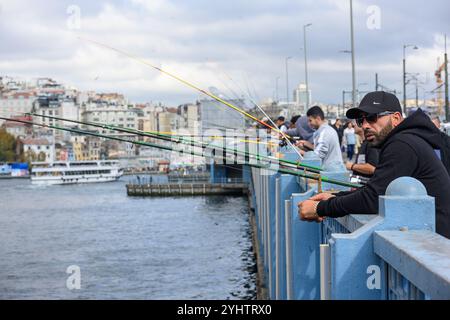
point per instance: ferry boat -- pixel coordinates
(71, 172)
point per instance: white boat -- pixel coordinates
(71, 172)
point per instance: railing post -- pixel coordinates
(325, 272)
(304, 252)
(288, 253)
(286, 187)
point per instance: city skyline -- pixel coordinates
(234, 47)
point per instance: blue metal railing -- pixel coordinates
(417, 262)
(330, 226)
(400, 288)
(357, 247)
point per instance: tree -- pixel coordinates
(41, 156)
(29, 156)
(7, 147)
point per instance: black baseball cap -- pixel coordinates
(375, 102)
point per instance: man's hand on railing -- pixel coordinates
(307, 211)
(322, 196)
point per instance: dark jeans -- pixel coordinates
(350, 151)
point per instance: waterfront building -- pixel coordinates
(38, 149)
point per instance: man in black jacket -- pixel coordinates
(408, 148)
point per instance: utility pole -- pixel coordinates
(417, 93)
(404, 73)
(287, 80)
(353, 56)
(447, 112)
(306, 65)
(376, 81)
(404, 81)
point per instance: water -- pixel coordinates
(126, 248)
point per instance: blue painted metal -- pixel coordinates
(399, 288)
(246, 174)
(366, 262)
(336, 175)
(312, 159)
(422, 260)
(305, 253)
(217, 173)
(287, 185)
(352, 257)
(272, 232)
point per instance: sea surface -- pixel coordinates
(92, 241)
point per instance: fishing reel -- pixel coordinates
(283, 143)
(293, 140)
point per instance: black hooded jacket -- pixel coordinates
(408, 150)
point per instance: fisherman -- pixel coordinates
(293, 121)
(366, 159)
(407, 148)
(326, 141)
(301, 129)
(281, 124)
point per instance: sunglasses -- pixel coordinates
(371, 118)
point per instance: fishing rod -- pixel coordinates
(170, 138)
(299, 173)
(285, 136)
(187, 83)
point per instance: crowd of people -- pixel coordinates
(314, 133)
(378, 145)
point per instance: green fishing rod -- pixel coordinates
(195, 87)
(191, 152)
(167, 137)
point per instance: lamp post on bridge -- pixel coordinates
(405, 46)
(287, 80)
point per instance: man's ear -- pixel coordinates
(397, 118)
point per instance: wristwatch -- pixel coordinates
(315, 209)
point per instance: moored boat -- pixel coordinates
(72, 172)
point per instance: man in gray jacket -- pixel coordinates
(302, 129)
(326, 142)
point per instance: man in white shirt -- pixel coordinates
(326, 140)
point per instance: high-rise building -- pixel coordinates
(300, 98)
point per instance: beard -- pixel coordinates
(380, 136)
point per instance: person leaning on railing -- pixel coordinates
(366, 160)
(407, 148)
(325, 139)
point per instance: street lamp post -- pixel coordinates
(306, 65)
(447, 111)
(287, 80)
(353, 56)
(276, 89)
(404, 73)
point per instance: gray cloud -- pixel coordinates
(200, 39)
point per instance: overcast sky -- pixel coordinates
(232, 45)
